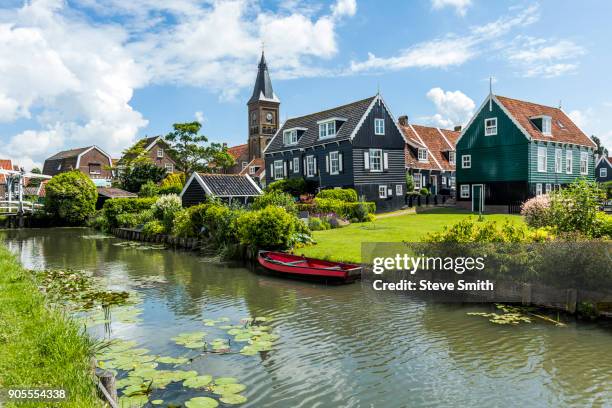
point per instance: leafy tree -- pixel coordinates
(601, 150)
(186, 147)
(135, 155)
(71, 197)
(132, 178)
(221, 156)
(148, 189)
(35, 182)
(576, 207)
(409, 183)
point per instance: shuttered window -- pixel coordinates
(279, 169)
(376, 160)
(296, 164)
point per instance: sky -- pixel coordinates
(107, 72)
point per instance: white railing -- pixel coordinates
(9, 207)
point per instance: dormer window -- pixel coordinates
(290, 137)
(490, 126)
(451, 157)
(422, 154)
(327, 129)
(546, 125)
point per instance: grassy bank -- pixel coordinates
(344, 244)
(39, 345)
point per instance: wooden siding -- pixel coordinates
(551, 176)
(365, 137)
(603, 164)
(94, 156)
(194, 194)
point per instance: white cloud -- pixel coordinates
(199, 116)
(537, 57)
(460, 6)
(450, 50)
(580, 118)
(344, 8)
(452, 108)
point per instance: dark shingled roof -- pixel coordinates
(352, 112)
(68, 153)
(111, 192)
(230, 185)
(263, 84)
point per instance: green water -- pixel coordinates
(343, 346)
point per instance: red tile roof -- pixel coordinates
(563, 130)
(258, 163)
(5, 164)
(238, 151)
(437, 141)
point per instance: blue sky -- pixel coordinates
(81, 72)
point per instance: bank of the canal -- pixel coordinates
(345, 346)
(40, 347)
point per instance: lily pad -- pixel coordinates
(229, 389)
(172, 360)
(198, 382)
(157, 402)
(194, 339)
(233, 399)
(201, 402)
(225, 380)
(136, 401)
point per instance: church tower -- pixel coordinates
(263, 110)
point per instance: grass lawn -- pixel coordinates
(344, 244)
(39, 345)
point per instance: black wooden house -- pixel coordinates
(357, 145)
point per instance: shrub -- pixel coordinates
(165, 208)
(148, 189)
(112, 208)
(219, 222)
(344, 194)
(575, 208)
(469, 230)
(277, 198)
(270, 228)
(154, 227)
(293, 186)
(71, 197)
(409, 183)
(424, 191)
(183, 225)
(133, 178)
(174, 180)
(170, 190)
(358, 210)
(536, 211)
(318, 224)
(127, 220)
(603, 225)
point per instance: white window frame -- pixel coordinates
(310, 166)
(558, 161)
(296, 164)
(569, 161)
(327, 129)
(603, 172)
(466, 161)
(452, 157)
(290, 137)
(465, 191)
(334, 161)
(546, 125)
(244, 165)
(548, 188)
(382, 191)
(542, 154)
(538, 189)
(252, 170)
(422, 154)
(417, 178)
(379, 126)
(169, 167)
(490, 128)
(95, 173)
(373, 160)
(444, 180)
(279, 166)
(452, 181)
(584, 160)
(160, 153)
(399, 190)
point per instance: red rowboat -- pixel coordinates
(300, 266)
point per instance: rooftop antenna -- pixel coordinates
(490, 93)
(560, 104)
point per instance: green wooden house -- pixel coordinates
(512, 150)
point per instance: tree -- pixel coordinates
(71, 197)
(186, 147)
(601, 150)
(220, 156)
(135, 155)
(409, 183)
(132, 178)
(34, 182)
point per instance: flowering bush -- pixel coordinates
(270, 228)
(165, 208)
(537, 211)
(277, 198)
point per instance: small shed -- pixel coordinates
(227, 187)
(106, 193)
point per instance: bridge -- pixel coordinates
(15, 205)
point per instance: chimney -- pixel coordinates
(458, 128)
(224, 145)
(403, 120)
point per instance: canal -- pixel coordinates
(337, 346)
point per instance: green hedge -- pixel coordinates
(112, 208)
(71, 198)
(270, 228)
(340, 208)
(342, 194)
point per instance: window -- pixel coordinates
(451, 158)
(548, 188)
(376, 160)
(546, 125)
(244, 164)
(382, 191)
(59, 166)
(279, 169)
(465, 191)
(252, 170)
(417, 181)
(290, 137)
(379, 126)
(466, 161)
(327, 129)
(169, 167)
(603, 172)
(422, 154)
(558, 160)
(310, 166)
(584, 163)
(542, 159)
(490, 127)
(334, 163)
(296, 164)
(452, 181)
(95, 168)
(399, 190)
(443, 181)
(569, 156)
(160, 153)
(539, 189)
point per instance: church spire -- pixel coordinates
(263, 85)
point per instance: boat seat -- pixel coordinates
(295, 262)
